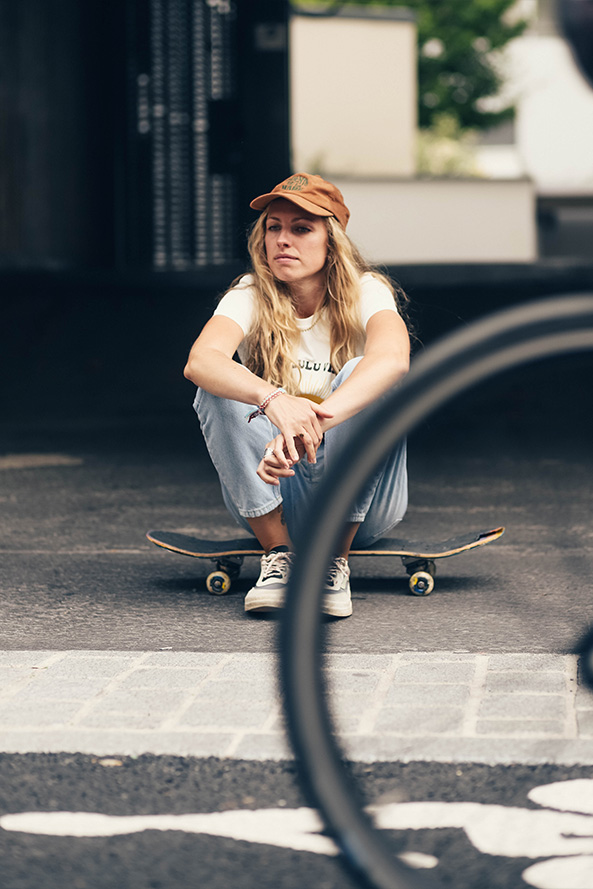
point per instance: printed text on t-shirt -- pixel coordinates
(305, 364)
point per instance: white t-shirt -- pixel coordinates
(313, 350)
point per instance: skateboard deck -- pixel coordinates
(418, 557)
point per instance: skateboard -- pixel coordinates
(418, 557)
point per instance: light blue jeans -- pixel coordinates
(236, 449)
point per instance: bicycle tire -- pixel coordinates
(500, 342)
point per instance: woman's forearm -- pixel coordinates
(218, 374)
(372, 377)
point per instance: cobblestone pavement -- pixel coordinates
(440, 706)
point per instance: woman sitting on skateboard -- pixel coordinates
(320, 337)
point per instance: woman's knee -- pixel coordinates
(345, 372)
(220, 411)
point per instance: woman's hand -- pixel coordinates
(275, 463)
(299, 421)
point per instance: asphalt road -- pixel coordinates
(77, 501)
(469, 850)
(77, 573)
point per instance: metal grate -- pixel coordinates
(187, 71)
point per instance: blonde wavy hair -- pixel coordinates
(274, 335)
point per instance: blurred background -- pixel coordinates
(133, 134)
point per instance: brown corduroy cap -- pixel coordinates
(311, 193)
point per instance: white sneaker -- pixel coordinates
(270, 589)
(337, 600)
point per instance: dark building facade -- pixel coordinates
(132, 132)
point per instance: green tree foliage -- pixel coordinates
(458, 42)
(457, 72)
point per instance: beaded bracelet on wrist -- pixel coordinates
(262, 407)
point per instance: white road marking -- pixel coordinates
(561, 833)
(37, 461)
(289, 828)
(507, 831)
(561, 873)
(79, 551)
(566, 796)
(297, 829)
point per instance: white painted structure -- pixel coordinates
(442, 220)
(553, 142)
(554, 115)
(353, 93)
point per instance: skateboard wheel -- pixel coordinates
(421, 583)
(218, 583)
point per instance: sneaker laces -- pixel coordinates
(337, 574)
(276, 565)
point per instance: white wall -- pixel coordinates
(353, 95)
(554, 116)
(554, 123)
(354, 120)
(442, 220)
